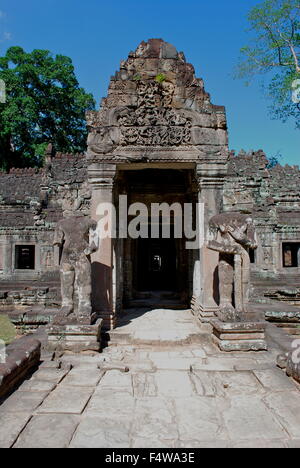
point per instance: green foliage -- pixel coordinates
(160, 78)
(137, 77)
(274, 161)
(44, 103)
(275, 52)
(7, 330)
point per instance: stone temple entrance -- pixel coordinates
(157, 138)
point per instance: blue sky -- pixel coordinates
(97, 34)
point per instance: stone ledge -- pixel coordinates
(22, 356)
(283, 316)
(75, 338)
(238, 327)
(239, 336)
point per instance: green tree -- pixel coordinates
(275, 52)
(44, 103)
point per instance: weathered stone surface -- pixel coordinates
(76, 338)
(22, 402)
(274, 379)
(68, 400)
(232, 236)
(242, 336)
(174, 384)
(241, 345)
(292, 365)
(144, 385)
(11, 426)
(211, 405)
(282, 316)
(154, 419)
(48, 431)
(121, 405)
(238, 327)
(100, 432)
(285, 405)
(229, 384)
(260, 444)
(34, 385)
(22, 356)
(117, 381)
(83, 377)
(73, 236)
(241, 415)
(199, 419)
(239, 336)
(204, 383)
(50, 375)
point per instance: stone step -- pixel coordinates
(140, 303)
(160, 340)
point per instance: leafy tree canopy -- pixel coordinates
(44, 103)
(275, 51)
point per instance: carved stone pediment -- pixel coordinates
(154, 126)
(156, 101)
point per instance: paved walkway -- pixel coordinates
(174, 396)
(157, 327)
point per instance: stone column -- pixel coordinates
(7, 257)
(210, 180)
(101, 179)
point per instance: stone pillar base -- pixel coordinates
(75, 338)
(239, 336)
(204, 314)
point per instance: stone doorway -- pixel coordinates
(155, 271)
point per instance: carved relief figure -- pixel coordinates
(233, 236)
(77, 238)
(158, 126)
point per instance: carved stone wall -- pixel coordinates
(31, 203)
(272, 197)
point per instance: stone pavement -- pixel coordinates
(175, 396)
(156, 326)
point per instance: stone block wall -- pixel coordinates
(272, 197)
(22, 356)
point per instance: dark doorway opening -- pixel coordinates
(291, 254)
(25, 257)
(156, 265)
(156, 271)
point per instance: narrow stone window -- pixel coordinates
(25, 257)
(291, 254)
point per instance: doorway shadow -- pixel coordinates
(216, 286)
(101, 287)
